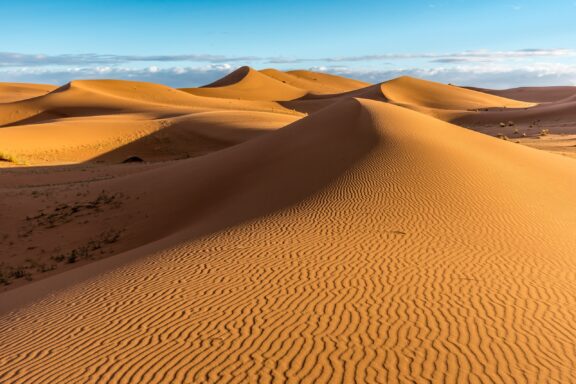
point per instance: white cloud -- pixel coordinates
(174, 76)
(442, 57)
(489, 74)
(13, 60)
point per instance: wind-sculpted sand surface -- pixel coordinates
(368, 241)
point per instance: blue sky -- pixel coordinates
(493, 43)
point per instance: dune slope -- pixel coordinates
(116, 137)
(365, 243)
(53, 223)
(105, 97)
(10, 92)
(316, 82)
(410, 91)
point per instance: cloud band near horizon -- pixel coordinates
(491, 69)
(489, 77)
(12, 59)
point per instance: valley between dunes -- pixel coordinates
(293, 227)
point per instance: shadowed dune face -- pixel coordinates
(113, 138)
(551, 125)
(198, 134)
(368, 241)
(231, 79)
(533, 94)
(557, 116)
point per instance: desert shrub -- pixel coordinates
(7, 157)
(133, 159)
(71, 258)
(17, 273)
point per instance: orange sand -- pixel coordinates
(368, 241)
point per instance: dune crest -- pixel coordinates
(248, 84)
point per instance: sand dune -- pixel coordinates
(409, 91)
(364, 243)
(87, 119)
(273, 85)
(105, 97)
(315, 82)
(114, 138)
(249, 84)
(10, 92)
(533, 94)
(442, 101)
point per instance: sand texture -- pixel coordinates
(288, 227)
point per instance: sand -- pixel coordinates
(249, 84)
(316, 83)
(446, 102)
(100, 118)
(10, 92)
(369, 241)
(550, 125)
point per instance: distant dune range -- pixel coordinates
(286, 227)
